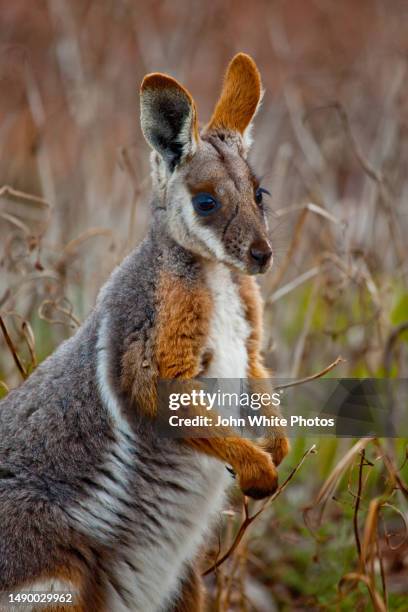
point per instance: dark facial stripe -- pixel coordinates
(230, 220)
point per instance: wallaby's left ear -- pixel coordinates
(168, 118)
(240, 95)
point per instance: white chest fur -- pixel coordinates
(229, 329)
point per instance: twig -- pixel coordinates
(58, 306)
(30, 341)
(69, 250)
(250, 519)
(307, 324)
(378, 603)
(17, 222)
(4, 386)
(370, 536)
(357, 502)
(331, 482)
(28, 335)
(387, 535)
(301, 381)
(299, 280)
(392, 470)
(382, 573)
(13, 350)
(6, 190)
(292, 249)
(315, 208)
(389, 345)
(14, 289)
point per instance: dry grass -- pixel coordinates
(330, 144)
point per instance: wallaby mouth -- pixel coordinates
(259, 269)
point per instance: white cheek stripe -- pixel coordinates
(207, 236)
(210, 240)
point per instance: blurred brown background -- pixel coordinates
(69, 133)
(330, 143)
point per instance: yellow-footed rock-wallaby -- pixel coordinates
(92, 500)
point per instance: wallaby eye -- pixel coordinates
(205, 204)
(259, 195)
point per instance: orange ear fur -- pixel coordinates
(240, 95)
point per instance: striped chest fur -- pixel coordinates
(179, 492)
(151, 506)
(151, 503)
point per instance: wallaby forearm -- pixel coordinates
(177, 354)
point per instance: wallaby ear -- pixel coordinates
(168, 118)
(240, 95)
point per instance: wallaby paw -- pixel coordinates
(278, 447)
(259, 480)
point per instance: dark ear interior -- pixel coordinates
(168, 118)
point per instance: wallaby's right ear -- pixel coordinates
(168, 118)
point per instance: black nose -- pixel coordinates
(261, 252)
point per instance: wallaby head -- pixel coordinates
(209, 197)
